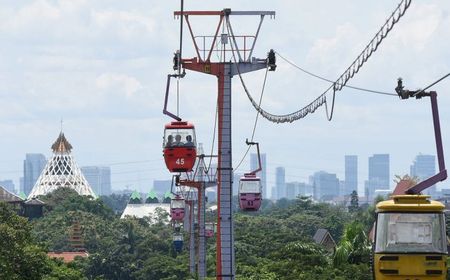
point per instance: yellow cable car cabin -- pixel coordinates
(410, 239)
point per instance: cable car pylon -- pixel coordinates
(224, 70)
(200, 179)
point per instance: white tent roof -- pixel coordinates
(144, 210)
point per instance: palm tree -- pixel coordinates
(354, 246)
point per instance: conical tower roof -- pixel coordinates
(61, 145)
(61, 171)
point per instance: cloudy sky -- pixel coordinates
(101, 66)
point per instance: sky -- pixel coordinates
(101, 66)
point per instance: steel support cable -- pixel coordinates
(214, 138)
(230, 31)
(432, 84)
(179, 58)
(370, 48)
(256, 120)
(330, 81)
(216, 115)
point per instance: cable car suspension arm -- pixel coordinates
(259, 156)
(442, 174)
(176, 67)
(356, 65)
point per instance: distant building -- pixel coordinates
(379, 175)
(211, 194)
(236, 179)
(8, 185)
(12, 199)
(262, 174)
(21, 185)
(325, 185)
(61, 171)
(160, 187)
(32, 169)
(99, 177)
(280, 182)
(351, 174)
(294, 189)
(274, 193)
(324, 238)
(423, 167)
(139, 208)
(31, 208)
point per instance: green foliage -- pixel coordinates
(117, 202)
(275, 243)
(354, 203)
(354, 247)
(20, 257)
(61, 271)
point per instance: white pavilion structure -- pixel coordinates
(61, 171)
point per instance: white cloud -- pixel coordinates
(331, 51)
(128, 25)
(419, 27)
(123, 83)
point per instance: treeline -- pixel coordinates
(275, 243)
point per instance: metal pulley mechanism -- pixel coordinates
(271, 60)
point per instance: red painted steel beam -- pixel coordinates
(198, 13)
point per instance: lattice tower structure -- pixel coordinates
(61, 171)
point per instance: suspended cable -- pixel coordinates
(230, 31)
(214, 137)
(330, 81)
(256, 120)
(179, 58)
(354, 67)
(181, 37)
(434, 83)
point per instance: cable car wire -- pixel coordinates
(354, 67)
(432, 84)
(213, 139)
(179, 58)
(256, 119)
(217, 113)
(330, 81)
(230, 32)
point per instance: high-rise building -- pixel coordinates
(99, 177)
(262, 173)
(236, 180)
(274, 193)
(8, 185)
(280, 182)
(294, 189)
(351, 174)
(325, 185)
(32, 168)
(423, 167)
(21, 185)
(379, 175)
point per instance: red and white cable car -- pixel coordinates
(209, 229)
(179, 147)
(250, 192)
(177, 208)
(250, 188)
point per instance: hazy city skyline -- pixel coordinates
(423, 170)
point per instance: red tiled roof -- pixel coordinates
(67, 256)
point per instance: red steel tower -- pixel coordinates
(240, 49)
